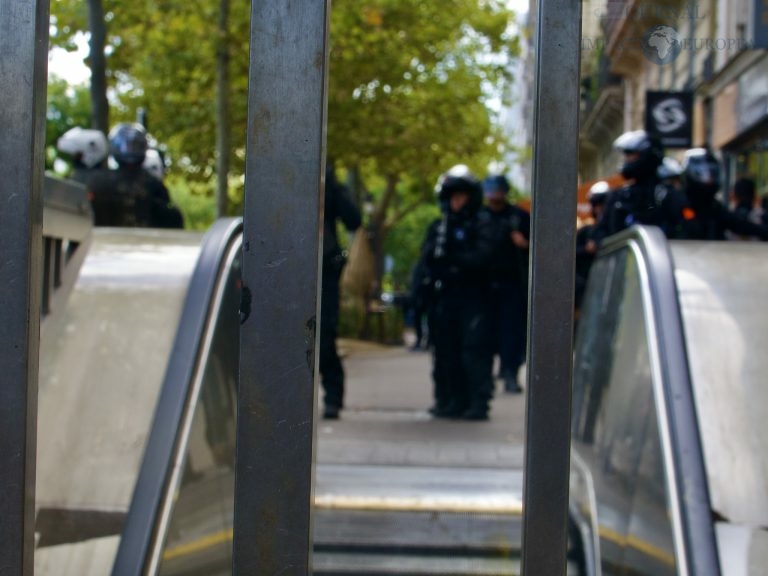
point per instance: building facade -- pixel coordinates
(710, 49)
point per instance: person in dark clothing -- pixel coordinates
(457, 252)
(420, 303)
(764, 206)
(670, 172)
(586, 248)
(645, 200)
(701, 180)
(338, 206)
(509, 280)
(744, 198)
(130, 196)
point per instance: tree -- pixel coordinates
(409, 89)
(170, 59)
(98, 65)
(408, 96)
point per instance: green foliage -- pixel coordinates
(404, 242)
(385, 326)
(195, 200)
(408, 91)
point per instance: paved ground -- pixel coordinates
(385, 421)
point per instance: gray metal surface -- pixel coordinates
(150, 502)
(555, 160)
(23, 72)
(722, 298)
(743, 550)
(103, 357)
(276, 404)
(66, 210)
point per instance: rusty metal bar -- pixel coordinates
(23, 76)
(281, 231)
(550, 365)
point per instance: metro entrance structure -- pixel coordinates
(276, 393)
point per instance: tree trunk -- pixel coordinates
(379, 228)
(98, 65)
(222, 112)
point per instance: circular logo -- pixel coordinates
(661, 44)
(669, 115)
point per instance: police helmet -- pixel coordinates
(128, 144)
(153, 163)
(88, 147)
(669, 168)
(701, 173)
(649, 150)
(498, 183)
(460, 179)
(598, 193)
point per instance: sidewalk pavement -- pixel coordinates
(385, 420)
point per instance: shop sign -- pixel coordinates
(669, 116)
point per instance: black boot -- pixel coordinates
(476, 413)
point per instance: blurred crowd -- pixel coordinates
(130, 192)
(469, 288)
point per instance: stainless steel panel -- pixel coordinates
(743, 550)
(725, 318)
(551, 288)
(23, 72)
(276, 404)
(102, 361)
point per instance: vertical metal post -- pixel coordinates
(23, 76)
(555, 158)
(276, 404)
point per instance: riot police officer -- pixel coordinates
(338, 206)
(509, 279)
(701, 181)
(586, 247)
(645, 199)
(671, 172)
(88, 150)
(457, 253)
(130, 196)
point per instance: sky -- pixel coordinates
(69, 65)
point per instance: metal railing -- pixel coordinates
(67, 224)
(281, 241)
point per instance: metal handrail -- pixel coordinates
(174, 401)
(690, 472)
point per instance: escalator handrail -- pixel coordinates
(690, 472)
(154, 473)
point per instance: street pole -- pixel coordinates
(550, 365)
(281, 256)
(23, 69)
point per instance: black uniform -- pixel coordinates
(457, 252)
(712, 219)
(584, 259)
(509, 292)
(338, 205)
(648, 202)
(701, 177)
(130, 196)
(420, 304)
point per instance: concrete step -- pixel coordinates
(417, 520)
